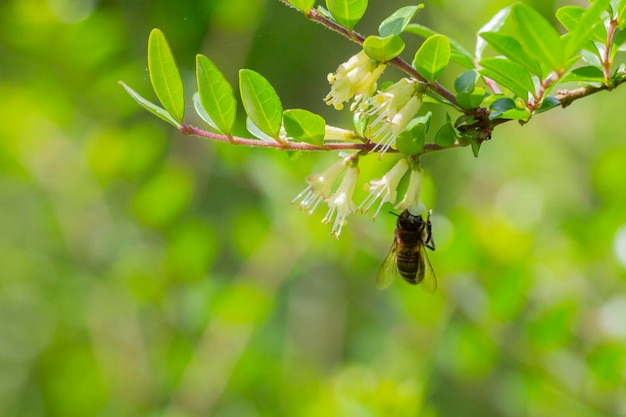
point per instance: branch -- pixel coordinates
(368, 146)
(567, 97)
(284, 146)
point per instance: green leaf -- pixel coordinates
(537, 36)
(202, 112)
(548, 103)
(258, 133)
(588, 74)
(303, 5)
(570, 17)
(261, 102)
(304, 126)
(164, 75)
(515, 114)
(586, 25)
(425, 120)
(398, 21)
(216, 95)
(509, 75)
(493, 25)
(412, 140)
(151, 107)
(471, 100)
(512, 49)
(465, 82)
(383, 49)
(347, 12)
(500, 106)
(591, 58)
(459, 54)
(475, 147)
(432, 58)
(446, 135)
(505, 108)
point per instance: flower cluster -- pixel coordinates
(391, 109)
(320, 189)
(387, 113)
(340, 202)
(354, 78)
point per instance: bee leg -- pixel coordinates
(430, 241)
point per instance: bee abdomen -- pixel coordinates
(411, 267)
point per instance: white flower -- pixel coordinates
(338, 134)
(387, 131)
(355, 78)
(320, 186)
(386, 103)
(392, 109)
(340, 203)
(384, 188)
(411, 200)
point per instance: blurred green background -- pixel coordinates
(145, 273)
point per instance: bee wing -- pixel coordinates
(389, 269)
(429, 283)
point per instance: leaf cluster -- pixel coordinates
(518, 61)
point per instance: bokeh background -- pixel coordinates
(145, 273)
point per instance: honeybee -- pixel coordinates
(407, 255)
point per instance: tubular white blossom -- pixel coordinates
(320, 185)
(411, 200)
(356, 77)
(384, 188)
(337, 133)
(388, 130)
(386, 103)
(340, 204)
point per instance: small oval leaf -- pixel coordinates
(347, 12)
(258, 133)
(164, 75)
(304, 126)
(151, 107)
(446, 135)
(383, 49)
(465, 82)
(548, 103)
(500, 106)
(261, 102)
(471, 100)
(432, 57)
(515, 114)
(398, 21)
(216, 95)
(412, 140)
(459, 54)
(197, 105)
